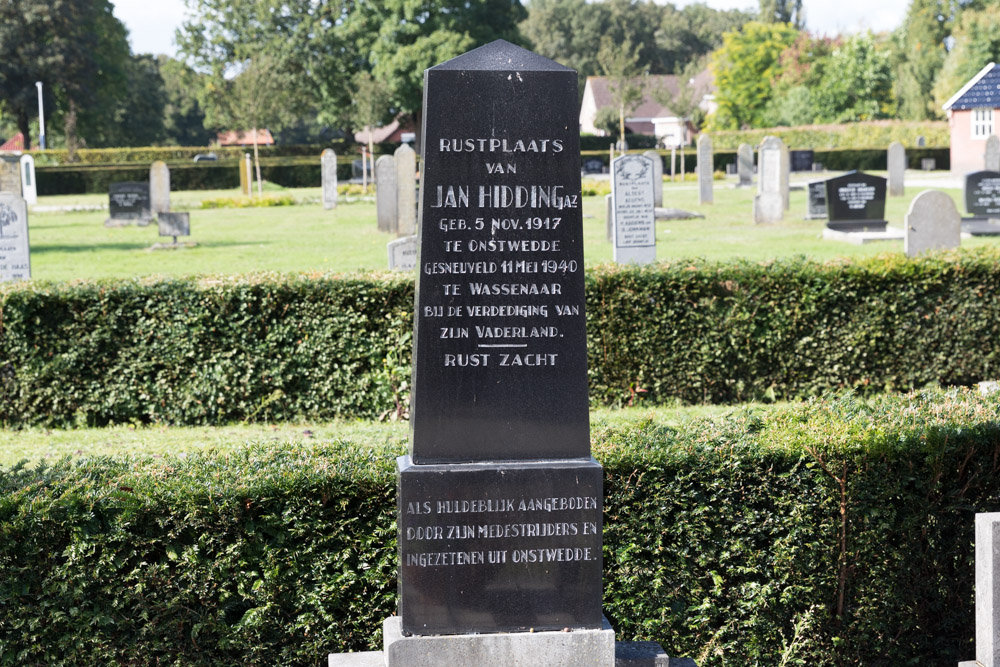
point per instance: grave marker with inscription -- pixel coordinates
(385, 194)
(402, 254)
(128, 202)
(406, 190)
(657, 177)
(159, 187)
(328, 178)
(744, 165)
(706, 170)
(500, 502)
(856, 203)
(29, 187)
(896, 161)
(816, 205)
(174, 224)
(634, 224)
(769, 204)
(982, 194)
(15, 251)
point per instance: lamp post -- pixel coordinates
(41, 118)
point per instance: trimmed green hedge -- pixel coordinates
(871, 134)
(834, 533)
(283, 347)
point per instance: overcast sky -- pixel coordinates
(151, 23)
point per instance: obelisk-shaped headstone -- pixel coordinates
(29, 186)
(991, 158)
(385, 194)
(896, 161)
(499, 408)
(159, 187)
(15, 252)
(744, 165)
(406, 190)
(706, 170)
(657, 177)
(769, 204)
(328, 177)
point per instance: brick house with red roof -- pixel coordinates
(972, 117)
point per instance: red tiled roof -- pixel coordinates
(390, 132)
(14, 144)
(234, 138)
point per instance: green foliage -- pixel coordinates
(607, 119)
(876, 134)
(920, 53)
(724, 540)
(183, 115)
(244, 202)
(213, 351)
(745, 67)
(620, 64)
(856, 84)
(782, 11)
(976, 44)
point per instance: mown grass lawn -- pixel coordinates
(304, 237)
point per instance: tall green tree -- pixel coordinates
(857, 83)
(620, 63)
(919, 55)
(183, 114)
(746, 67)
(782, 11)
(976, 44)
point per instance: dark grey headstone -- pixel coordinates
(802, 160)
(174, 223)
(500, 353)
(982, 194)
(499, 513)
(856, 202)
(816, 206)
(593, 166)
(129, 200)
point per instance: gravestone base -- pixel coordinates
(173, 246)
(857, 225)
(863, 237)
(970, 663)
(981, 226)
(127, 222)
(815, 216)
(768, 207)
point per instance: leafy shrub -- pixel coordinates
(248, 202)
(849, 520)
(284, 347)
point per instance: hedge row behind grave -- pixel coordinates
(839, 532)
(283, 347)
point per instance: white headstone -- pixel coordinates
(29, 188)
(634, 213)
(896, 161)
(609, 221)
(706, 171)
(15, 253)
(159, 187)
(328, 177)
(786, 173)
(744, 165)
(385, 194)
(932, 223)
(402, 253)
(988, 589)
(248, 167)
(657, 177)
(406, 190)
(769, 204)
(991, 158)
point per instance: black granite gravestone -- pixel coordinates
(802, 160)
(982, 202)
(856, 202)
(500, 503)
(129, 200)
(816, 206)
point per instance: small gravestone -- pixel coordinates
(172, 223)
(328, 178)
(896, 160)
(769, 204)
(744, 165)
(15, 251)
(706, 170)
(991, 157)
(921, 141)
(657, 177)
(406, 190)
(128, 202)
(932, 223)
(593, 166)
(928, 164)
(609, 220)
(786, 173)
(29, 187)
(159, 187)
(856, 203)
(982, 202)
(633, 210)
(402, 254)
(385, 194)
(10, 174)
(802, 160)
(816, 204)
(987, 550)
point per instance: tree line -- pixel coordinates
(312, 69)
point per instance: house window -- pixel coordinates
(982, 123)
